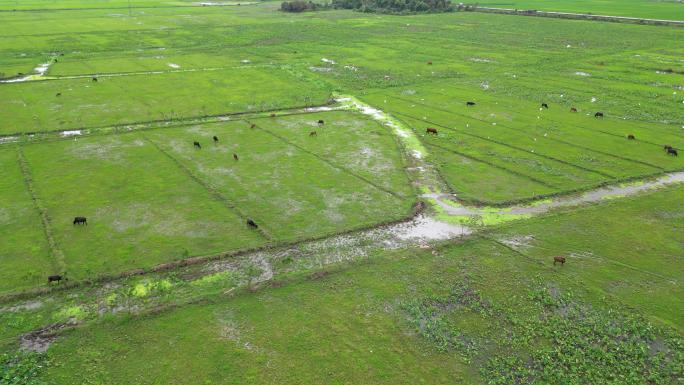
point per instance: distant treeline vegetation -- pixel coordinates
(302, 6)
(395, 6)
(379, 6)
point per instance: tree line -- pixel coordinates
(379, 6)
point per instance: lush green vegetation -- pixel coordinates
(299, 6)
(360, 307)
(395, 6)
(545, 151)
(151, 197)
(611, 314)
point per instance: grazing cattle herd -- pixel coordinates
(669, 150)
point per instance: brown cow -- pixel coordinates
(573, 109)
(313, 133)
(252, 126)
(273, 115)
(235, 157)
(429, 63)
(431, 130)
(631, 137)
(559, 259)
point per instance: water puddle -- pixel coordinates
(39, 73)
(71, 133)
(447, 204)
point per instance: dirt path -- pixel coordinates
(577, 16)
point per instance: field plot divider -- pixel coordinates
(208, 187)
(284, 140)
(55, 251)
(603, 174)
(550, 138)
(541, 182)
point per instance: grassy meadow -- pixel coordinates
(435, 316)
(152, 198)
(360, 309)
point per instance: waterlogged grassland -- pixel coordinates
(409, 315)
(24, 253)
(110, 101)
(142, 209)
(152, 197)
(294, 193)
(348, 140)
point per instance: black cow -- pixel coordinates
(631, 137)
(598, 115)
(197, 145)
(544, 105)
(667, 147)
(59, 94)
(672, 151)
(470, 103)
(251, 223)
(80, 221)
(94, 79)
(235, 157)
(57, 278)
(215, 139)
(321, 122)
(573, 109)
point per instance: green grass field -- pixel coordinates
(152, 198)
(364, 323)
(334, 294)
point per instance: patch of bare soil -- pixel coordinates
(40, 340)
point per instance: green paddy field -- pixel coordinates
(101, 102)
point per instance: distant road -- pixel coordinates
(577, 16)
